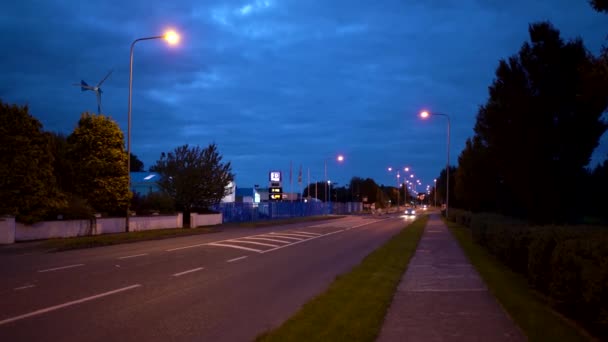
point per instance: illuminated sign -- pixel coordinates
(274, 197)
(275, 176)
(275, 190)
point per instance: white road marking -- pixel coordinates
(234, 246)
(133, 256)
(191, 246)
(56, 307)
(295, 243)
(188, 271)
(23, 287)
(285, 236)
(241, 240)
(479, 289)
(60, 268)
(236, 259)
(310, 233)
(306, 236)
(267, 239)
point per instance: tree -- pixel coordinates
(96, 151)
(27, 185)
(599, 5)
(136, 164)
(542, 122)
(195, 178)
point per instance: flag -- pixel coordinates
(300, 175)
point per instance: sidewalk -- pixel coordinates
(441, 297)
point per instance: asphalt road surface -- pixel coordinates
(225, 286)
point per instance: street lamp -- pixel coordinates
(172, 38)
(339, 158)
(435, 190)
(425, 114)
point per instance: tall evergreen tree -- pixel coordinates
(542, 122)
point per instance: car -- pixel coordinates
(410, 211)
(425, 207)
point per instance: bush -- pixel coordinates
(153, 203)
(76, 208)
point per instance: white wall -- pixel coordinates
(7, 230)
(138, 223)
(71, 228)
(198, 220)
(52, 229)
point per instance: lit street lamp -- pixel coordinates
(424, 115)
(339, 158)
(172, 38)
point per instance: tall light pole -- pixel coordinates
(425, 114)
(172, 38)
(435, 190)
(339, 158)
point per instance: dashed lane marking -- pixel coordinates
(236, 259)
(60, 268)
(74, 302)
(133, 256)
(188, 271)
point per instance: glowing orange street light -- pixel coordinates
(172, 38)
(425, 114)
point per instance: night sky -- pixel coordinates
(276, 81)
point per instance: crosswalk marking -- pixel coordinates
(253, 243)
(235, 246)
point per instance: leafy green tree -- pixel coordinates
(194, 177)
(136, 164)
(27, 185)
(96, 151)
(541, 124)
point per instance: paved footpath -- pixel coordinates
(441, 297)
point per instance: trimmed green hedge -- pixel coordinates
(569, 264)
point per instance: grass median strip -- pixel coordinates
(354, 305)
(531, 313)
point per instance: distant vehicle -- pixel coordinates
(410, 211)
(425, 207)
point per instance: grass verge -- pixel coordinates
(354, 305)
(531, 313)
(80, 242)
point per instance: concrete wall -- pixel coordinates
(53, 229)
(198, 220)
(138, 223)
(71, 228)
(7, 230)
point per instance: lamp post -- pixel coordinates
(425, 114)
(339, 158)
(172, 38)
(435, 190)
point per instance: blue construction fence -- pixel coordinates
(249, 212)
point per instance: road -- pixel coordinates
(226, 286)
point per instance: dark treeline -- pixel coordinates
(535, 135)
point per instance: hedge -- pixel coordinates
(568, 264)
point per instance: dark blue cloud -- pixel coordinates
(275, 81)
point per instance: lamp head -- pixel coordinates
(424, 114)
(171, 37)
